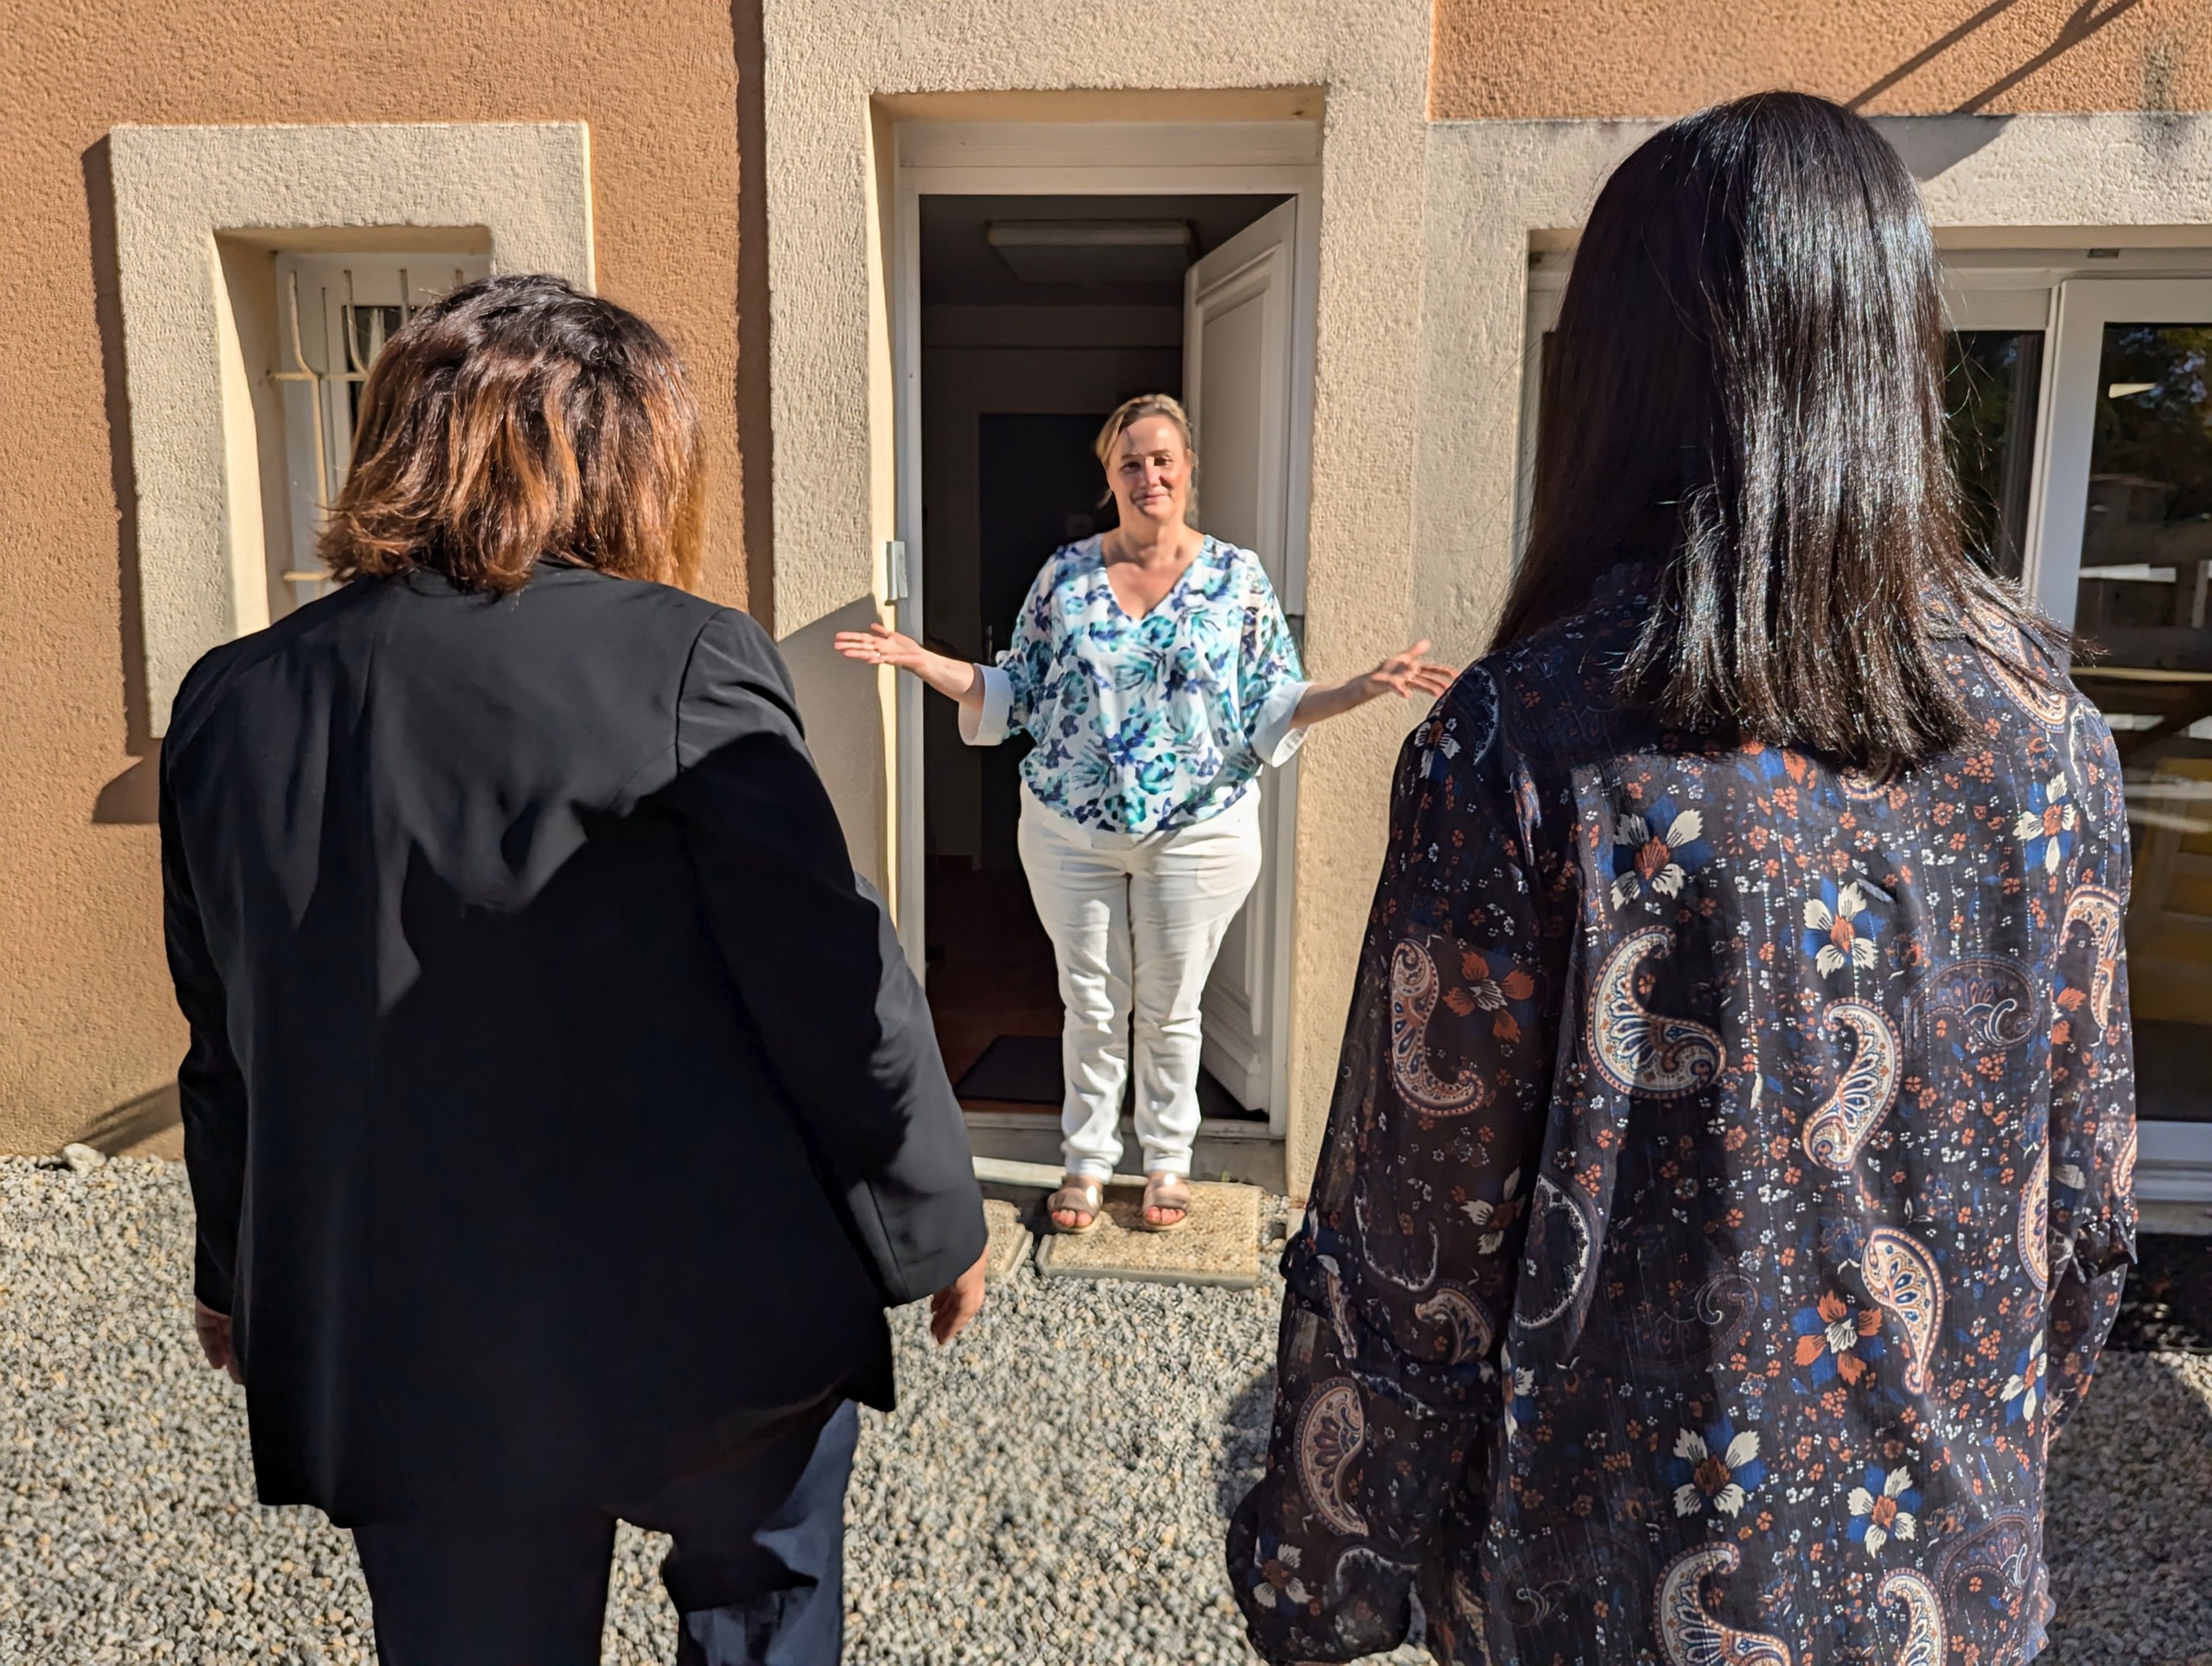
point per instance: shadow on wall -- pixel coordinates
(2085, 19)
(1932, 148)
(838, 703)
(130, 797)
(756, 438)
(133, 1122)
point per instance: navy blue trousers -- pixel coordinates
(757, 1570)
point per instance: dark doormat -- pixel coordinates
(2168, 1305)
(1024, 1070)
(1020, 1070)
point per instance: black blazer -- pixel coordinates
(559, 1103)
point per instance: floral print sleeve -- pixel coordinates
(1018, 679)
(2092, 1144)
(1727, 1189)
(1388, 1386)
(1270, 682)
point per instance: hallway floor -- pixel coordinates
(995, 975)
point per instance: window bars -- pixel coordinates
(364, 330)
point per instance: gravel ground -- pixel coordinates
(1041, 1496)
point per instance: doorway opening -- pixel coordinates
(1037, 315)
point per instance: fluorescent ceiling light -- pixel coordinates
(1090, 252)
(1088, 234)
(2130, 572)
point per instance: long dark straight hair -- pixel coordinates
(1745, 387)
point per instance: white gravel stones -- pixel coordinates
(81, 1159)
(2130, 1503)
(1052, 1489)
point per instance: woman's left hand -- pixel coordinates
(1402, 674)
(1408, 674)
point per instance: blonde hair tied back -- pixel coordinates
(1130, 412)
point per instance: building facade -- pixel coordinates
(910, 255)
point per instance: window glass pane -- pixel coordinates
(2146, 559)
(371, 327)
(1990, 379)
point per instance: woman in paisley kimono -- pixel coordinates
(1154, 669)
(1727, 1187)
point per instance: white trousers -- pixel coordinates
(1135, 922)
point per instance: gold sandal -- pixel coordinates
(1165, 1191)
(1080, 1194)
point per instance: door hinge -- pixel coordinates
(896, 588)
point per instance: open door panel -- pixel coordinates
(1238, 344)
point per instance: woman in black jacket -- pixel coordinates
(560, 1111)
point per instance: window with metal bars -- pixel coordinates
(334, 313)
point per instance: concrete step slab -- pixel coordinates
(1010, 1241)
(1217, 1245)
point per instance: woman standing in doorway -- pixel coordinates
(1153, 667)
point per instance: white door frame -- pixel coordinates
(1102, 159)
(2081, 307)
(2176, 1164)
(1252, 267)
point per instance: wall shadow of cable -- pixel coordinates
(2086, 20)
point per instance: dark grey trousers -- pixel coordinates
(757, 1570)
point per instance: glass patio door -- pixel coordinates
(2081, 412)
(2121, 551)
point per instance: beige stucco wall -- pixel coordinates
(829, 58)
(1662, 58)
(86, 1020)
(1419, 314)
(1495, 186)
(198, 434)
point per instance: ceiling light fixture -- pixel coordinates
(1093, 250)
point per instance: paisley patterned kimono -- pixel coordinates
(1727, 1192)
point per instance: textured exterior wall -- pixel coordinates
(86, 1018)
(1572, 58)
(194, 451)
(1494, 184)
(829, 58)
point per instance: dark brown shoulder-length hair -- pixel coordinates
(1746, 388)
(518, 419)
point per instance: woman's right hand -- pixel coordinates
(879, 645)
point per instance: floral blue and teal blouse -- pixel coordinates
(1144, 725)
(1727, 1192)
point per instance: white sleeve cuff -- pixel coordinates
(1273, 737)
(987, 726)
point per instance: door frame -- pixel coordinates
(1101, 159)
(2175, 1166)
(2080, 307)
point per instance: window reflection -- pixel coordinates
(1990, 382)
(2142, 607)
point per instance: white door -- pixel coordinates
(1238, 344)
